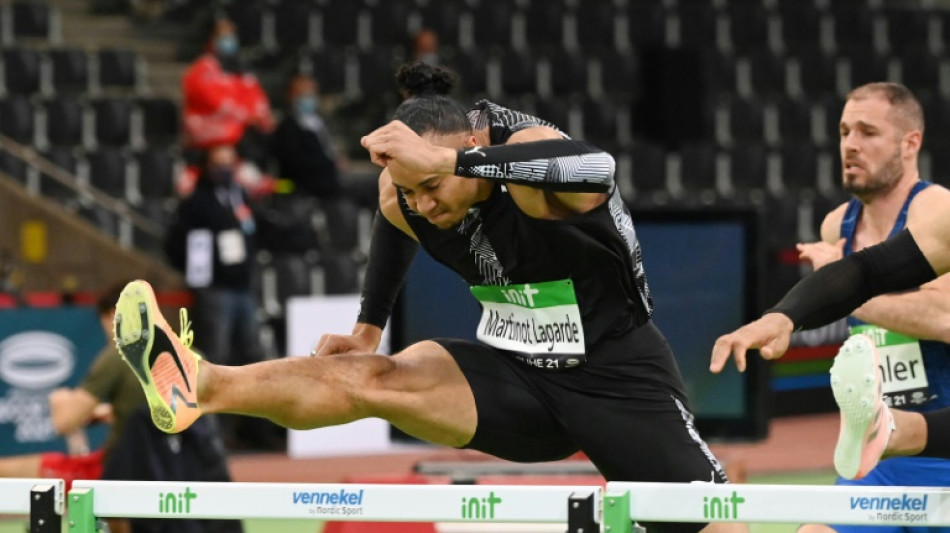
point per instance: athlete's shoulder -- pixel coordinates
(930, 199)
(831, 225)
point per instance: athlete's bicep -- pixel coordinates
(928, 220)
(831, 225)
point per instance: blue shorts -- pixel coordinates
(906, 472)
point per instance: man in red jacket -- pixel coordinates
(221, 99)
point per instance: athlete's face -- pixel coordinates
(871, 146)
(444, 199)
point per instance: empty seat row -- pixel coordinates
(28, 70)
(29, 20)
(71, 121)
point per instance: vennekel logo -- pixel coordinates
(726, 508)
(904, 502)
(343, 497)
(476, 508)
(176, 503)
(36, 359)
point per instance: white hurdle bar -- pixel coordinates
(707, 502)
(90, 500)
(43, 499)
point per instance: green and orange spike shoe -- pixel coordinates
(162, 361)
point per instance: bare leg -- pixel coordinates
(909, 436)
(419, 390)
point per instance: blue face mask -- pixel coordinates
(226, 45)
(306, 105)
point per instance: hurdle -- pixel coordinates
(625, 503)
(42, 499)
(89, 501)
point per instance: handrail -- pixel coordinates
(114, 205)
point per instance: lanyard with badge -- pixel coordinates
(901, 363)
(541, 322)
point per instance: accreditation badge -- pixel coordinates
(540, 320)
(901, 364)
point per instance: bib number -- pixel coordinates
(901, 364)
(541, 321)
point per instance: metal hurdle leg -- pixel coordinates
(81, 517)
(43, 515)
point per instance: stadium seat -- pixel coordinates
(544, 25)
(13, 167)
(156, 172)
(748, 27)
(601, 126)
(766, 73)
(799, 165)
(920, 72)
(376, 68)
(555, 109)
(65, 158)
(568, 71)
(32, 19)
(339, 22)
(746, 118)
(113, 117)
(620, 72)
(160, 120)
(853, 27)
(248, 17)
(64, 121)
(329, 68)
(697, 25)
(492, 21)
(340, 272)
(70, 70)
(443, 18)
(747, 167)
(814, 70)
(117, 68)
(648, 168)
(107, 171)
(864, 66)
(800, 24)
(17, 119)
(595, 23)
(292, 276)
(472, 68)
(389, 23)
(720, 73)
(698, 168)
(519, 73)
(646, 23)
(293, 21)
(342, 218)
(908, 30)
(21, 68)
(794, 120)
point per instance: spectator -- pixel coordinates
(425, 47)
(111, 393)
(222, 99)
(302, 146)
(213, 240)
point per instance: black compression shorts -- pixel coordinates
(630, 428)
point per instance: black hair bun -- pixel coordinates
(423, 79)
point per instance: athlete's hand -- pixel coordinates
(820, 253)
(770, 334)
(364, 339)
(397, 142)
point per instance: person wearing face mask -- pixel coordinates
(213, 240)
(302, 147)
(221, 99)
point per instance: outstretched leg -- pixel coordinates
(420, 390)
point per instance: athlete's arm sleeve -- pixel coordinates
(561, 165)
(390, 253)
(835, 290)
(938, 433)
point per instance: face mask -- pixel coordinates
(306, 105)
(226, 45)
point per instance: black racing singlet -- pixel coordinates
(498, 245)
